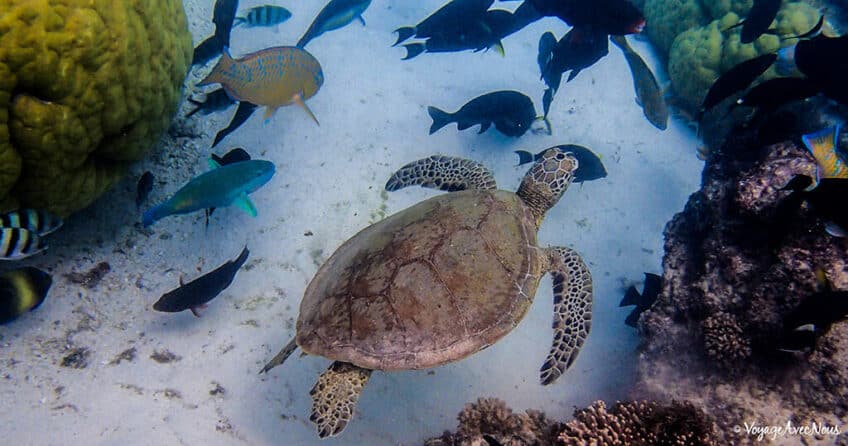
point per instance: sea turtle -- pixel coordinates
(439, 281)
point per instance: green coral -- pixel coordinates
(719, 8)
(668, 18)
(86, 87)
(699, 55)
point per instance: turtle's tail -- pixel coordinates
(281, 357)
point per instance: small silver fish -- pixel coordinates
(266, 15)
(17, 243)
(36, 221)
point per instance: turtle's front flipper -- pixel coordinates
(334, 397)
(572, 310)
(445, 173)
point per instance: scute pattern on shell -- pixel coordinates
(429, 285)
(445, 173)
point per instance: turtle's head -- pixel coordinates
(545, 182)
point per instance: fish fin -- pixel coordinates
(631, 297)
(547, 124)
(223, 65)
(835, 230)
(524, 157)
(244, 203)
(740, 23)
(440, 118)
(484, 126)
(819, 144)
(196, 310)
(298, 99)
(151, 215)
(814, 31)
(806, 327)
(572, 75)
(499, 48)
(413, 49)
(361, 20)
(239, 21)
(403, 34)
(269, 111)
(213, 163)
(632, 318)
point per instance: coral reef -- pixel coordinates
(85, 88)
(634, 423)
(736, 263)
(700, 54)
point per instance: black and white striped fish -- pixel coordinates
(36, 221)
(17, 243)
(267, 15)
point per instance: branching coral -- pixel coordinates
(724, 340)
(85, 88)
(639, 423)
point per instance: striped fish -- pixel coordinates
(36, 221)
(273, 77)
(266, 15)
(17, 243)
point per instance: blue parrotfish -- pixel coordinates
(273, 77)
(216, 188)
(335, 15)
(266, 15)
(830, 160)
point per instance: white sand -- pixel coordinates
(373, 116)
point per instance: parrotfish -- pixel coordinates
(649, 96)
(19, 243)
(266, 15)
(830, 160)
(233, 156)
(510, 111)
(273, 77)
(22, 290)
(38, 222)
(216, 188)
(194, 295)
(336, 14)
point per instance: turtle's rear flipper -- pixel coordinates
(572, 310)
(281, 357)
(334, 397)
(445, 173)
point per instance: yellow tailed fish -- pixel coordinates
(273, 77)
(822, 145)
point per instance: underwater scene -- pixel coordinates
(431, 222)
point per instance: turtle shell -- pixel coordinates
(431, 284)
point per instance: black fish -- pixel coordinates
(195, 294)
(822, 59)
(735, 79)
(812, 319)
(143, 188)
(22, 290)
(454, 15)
(612, 17)
(768, 95)
(826, 200)
(233, 156)
(480, 34)
(334, 15)
(589, 165)
(243, 112)
(511, 112)
(758, 20)
(214, 101)
(223, 16)
(578, 49)
(650, 291)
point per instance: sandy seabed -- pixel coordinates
(96, 365)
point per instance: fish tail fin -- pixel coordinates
(413, 49)
(621, 42)
(631, 297)
(403, 34)
(498, 47)
(307, 36)
(524, 157)
(151, 216)
(242, 257)
(215, 75)
(440, 118)
(821, 141)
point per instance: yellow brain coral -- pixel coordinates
(86, 87)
